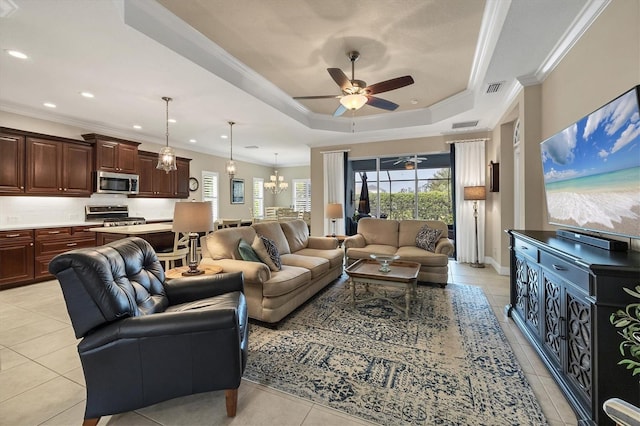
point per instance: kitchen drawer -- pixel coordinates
(83, 230)
(565, 270)
(10, 237)
(527, 249)
(55, 246)
(53, 232)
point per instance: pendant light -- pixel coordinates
(167, 156)
(231, 165)
(276, 182)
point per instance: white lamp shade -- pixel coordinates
(334, 211)
(193, 217)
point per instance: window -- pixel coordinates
(302, 195)
(258, 197)
(210, 191)
(407, 189)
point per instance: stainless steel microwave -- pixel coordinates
(116, 183)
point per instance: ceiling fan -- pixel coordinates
(410, 162)
(356, 93)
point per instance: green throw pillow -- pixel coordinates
(246, 252)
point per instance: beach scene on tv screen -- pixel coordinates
(592, 170)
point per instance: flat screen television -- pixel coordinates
(592, 170)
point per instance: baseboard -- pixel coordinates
(501, 270)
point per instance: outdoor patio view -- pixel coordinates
(399, 191)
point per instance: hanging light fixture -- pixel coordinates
(276, 182)
(167, 156)
(231, 165)
(354, 101)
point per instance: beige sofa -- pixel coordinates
(393, 237)
(308, 265)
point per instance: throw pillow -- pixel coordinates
(427, 238)
(247, 253)
(267, 252)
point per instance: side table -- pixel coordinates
(177, 272)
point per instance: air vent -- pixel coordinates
(252, 147)
(464, 124)
(494, 87)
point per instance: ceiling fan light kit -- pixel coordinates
(356, 93)
(353, 102)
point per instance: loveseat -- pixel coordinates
(308, 265)
(398, 237)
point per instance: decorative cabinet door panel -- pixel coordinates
(76, 170)
(578, 334)
(12, 153)
(551, 328)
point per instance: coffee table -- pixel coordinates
(403, 275)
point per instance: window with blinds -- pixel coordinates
(258, 197)
(210, 191)
(301, 195)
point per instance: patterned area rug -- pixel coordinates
(450, 364)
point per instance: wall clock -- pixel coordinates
(193, 184)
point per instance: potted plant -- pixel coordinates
(628, 321)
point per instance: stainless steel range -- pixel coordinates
(112, 216)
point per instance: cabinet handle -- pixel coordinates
(558, 267)
(30, 244)
(563, 334)
(22, 187)
(59, 189)
(524, 248)
(53, 232)
(12, 235)
(71, 244)
(4, 138)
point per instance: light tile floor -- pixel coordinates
(41, 380)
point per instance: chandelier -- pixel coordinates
(167, 156)
(231, 165)
(276, 182)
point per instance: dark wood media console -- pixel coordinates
(562, 295)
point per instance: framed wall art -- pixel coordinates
(237, 191)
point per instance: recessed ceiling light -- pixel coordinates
(193, 140)
(172, 120)
(414, 102)
(16, 54)
(87, 94)
(49, 104)
(223, 136)
(137, 126)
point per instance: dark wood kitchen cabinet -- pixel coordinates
(113, 154)
(16, 257)
(160, 184)
(12, 152)
(50, 242)
(562, 296)
(58, 168)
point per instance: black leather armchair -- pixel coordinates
(145, 340)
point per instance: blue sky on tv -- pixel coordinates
(604, 141)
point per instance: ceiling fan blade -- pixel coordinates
(398, 162)
(381, 103)
(318, 97)
(339, 111)
(394, 83)
(340, 78)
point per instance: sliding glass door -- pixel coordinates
(408, 187)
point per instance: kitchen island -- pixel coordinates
(159, 235)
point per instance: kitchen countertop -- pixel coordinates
(148, 228)
(18, 227)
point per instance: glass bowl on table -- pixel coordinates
(384, 260)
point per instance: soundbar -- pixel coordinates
(600, 242)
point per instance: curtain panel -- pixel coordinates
(334, 193)
(470, 171)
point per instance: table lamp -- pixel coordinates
(333, 212)
(475, 193)
(193, 217)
